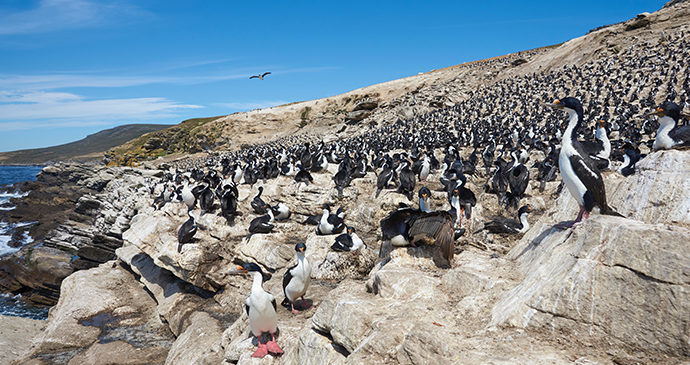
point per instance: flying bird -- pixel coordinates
(260, 77)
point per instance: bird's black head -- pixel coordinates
(524, 209)
(350, 230)
(340, 210)
(300, 247)
(456, 191)
(667, 108)
(249, 267)
(424, 192)
(326, 206)
(567, 102)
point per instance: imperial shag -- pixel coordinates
(296, 280)
(669, 134)
(348, 242)
(507, 225)
(261, 310)
(580, 176)
(186, 231)
(329, 224)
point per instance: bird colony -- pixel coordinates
(481, 159)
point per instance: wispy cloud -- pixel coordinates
(242, 106)
(35, 109)
(55, 15)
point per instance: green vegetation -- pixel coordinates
(91, 145)
(190, 136)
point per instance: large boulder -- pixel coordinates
(99, 306)
(610, 279)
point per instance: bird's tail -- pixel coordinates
(606, 210)
(385, 250)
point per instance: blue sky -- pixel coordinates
(69, 68)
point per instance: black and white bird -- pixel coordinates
(261, 310)
(329, 223)
(630, 159)
(264, 223)
(669, 134)
(313, 220)
(580, 176)
(599, 150)
(281, 211)
(296, 280)
(408, 180)
(187, 196)
(260, 76)
(206, 198)
(187, 231)
(258, 205)
(348, 242)
(507, 225)
(384, 179)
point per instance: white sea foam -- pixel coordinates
(6, 237)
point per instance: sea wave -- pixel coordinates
(13, 305)
(6, 196)
(6, 237)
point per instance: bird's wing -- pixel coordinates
(683, 134)
(394, 224)
(254, 77)
(265, 73)
(437, 225)
(591, 178)
(342, 243)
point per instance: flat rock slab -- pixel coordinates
(16, 334)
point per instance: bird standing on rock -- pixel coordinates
(669, 134)
(580, 176)
(296, 280)
(186, 231)
(261, 310)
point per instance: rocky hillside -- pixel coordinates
(89, 149)
(609, 291)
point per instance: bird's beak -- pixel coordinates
(556, 105)
(658, 112)
(239, 270)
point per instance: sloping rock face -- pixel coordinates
(102, 313)
(612, 280)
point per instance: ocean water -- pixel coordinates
(8, 176)
(13, 305)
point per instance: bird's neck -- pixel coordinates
(324, 216)
(257, 284)
(573, 122)
(424, 205)
(663, 140)
(525, 223)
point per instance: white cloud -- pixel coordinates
(40, 109)
(239, 106)
(54, 15)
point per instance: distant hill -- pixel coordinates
(89, 148)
